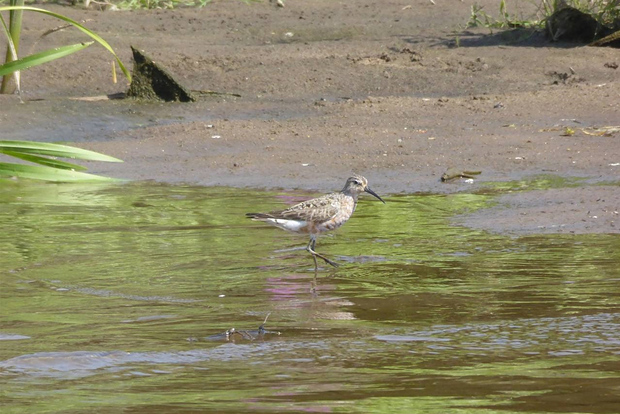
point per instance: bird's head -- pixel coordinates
(356, 185)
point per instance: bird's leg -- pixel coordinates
(314, 254)
(309, 248)
(316, 266)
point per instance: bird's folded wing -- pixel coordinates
(320, 209)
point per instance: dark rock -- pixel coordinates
(572, 25)
(152, 82)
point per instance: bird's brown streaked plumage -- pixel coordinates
(319, 214)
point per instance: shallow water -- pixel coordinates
(116, 298)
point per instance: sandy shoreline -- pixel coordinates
(328, 89)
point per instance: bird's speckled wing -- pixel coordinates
(315, 210)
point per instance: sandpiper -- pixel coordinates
(318, 215)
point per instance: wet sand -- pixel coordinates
(327, 88)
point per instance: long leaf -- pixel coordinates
(90, 33)
(55, 150)
(11, 55)
(37, 172)
(45, 161)
(41, 57)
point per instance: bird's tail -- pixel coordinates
(258, 216)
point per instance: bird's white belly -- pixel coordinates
(296, 226)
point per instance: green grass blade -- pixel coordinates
(11, 55)
(45, 161)
(90, 33)
(37, 172)
(41, 57)
(55, 150)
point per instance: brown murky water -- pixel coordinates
(115, 298)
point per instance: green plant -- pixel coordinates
(13, 64)
(163, 4)
(606, 12)
(479, 18)
(49, 168)
(13, 34)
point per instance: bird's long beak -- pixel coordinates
(369, 191)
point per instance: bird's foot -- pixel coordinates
(331, 262)
(325, 259)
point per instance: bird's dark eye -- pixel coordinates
(357, 182)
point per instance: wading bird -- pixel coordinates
(320, 214)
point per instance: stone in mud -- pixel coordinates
(573, 25)
(152, 82)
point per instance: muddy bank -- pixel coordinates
(329, 88)
(571, 211)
